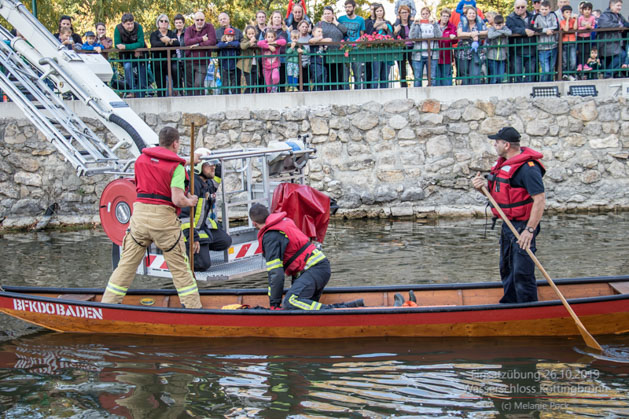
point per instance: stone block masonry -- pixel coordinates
(399, 157)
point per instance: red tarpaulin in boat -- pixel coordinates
(307, 207)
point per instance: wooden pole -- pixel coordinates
(587, 337)
(191, 234)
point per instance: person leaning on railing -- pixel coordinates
(446, 53)
(129, 36)
(335, 31)
(586, 21)
(178, 67)
(249, 61)
(304, 50)
(497, 49)
(277, 26)
(380, 69)
(471, 52)
(523, 52)
(610, 47)
(425, 52)
(162, 37)
(201, 34)
(402, 29)
(103, 39)
(546, 25)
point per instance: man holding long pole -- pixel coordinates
(515, 183)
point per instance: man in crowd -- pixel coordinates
(288, 250)
(610, 46)
(523, 56)
(515, 182)
(160, 185)
(201, 34)
(355, 28)
(129, 36)
(208, 234)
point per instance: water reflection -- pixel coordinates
(147, 377)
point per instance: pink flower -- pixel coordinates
(346, 53)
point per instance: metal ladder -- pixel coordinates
(31, 92)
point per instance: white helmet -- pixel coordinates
(199, 153)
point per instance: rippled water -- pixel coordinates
(50, 374)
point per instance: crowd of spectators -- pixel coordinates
(291, 52)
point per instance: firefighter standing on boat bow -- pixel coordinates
(515, 182)
(160, 185)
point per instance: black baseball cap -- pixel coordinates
(508, 134)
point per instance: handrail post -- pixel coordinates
(301, 72)
(429, 65)
(170, 75)
(560, 54)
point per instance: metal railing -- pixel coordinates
(370, 65)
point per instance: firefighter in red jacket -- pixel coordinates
(161, 191)
(289, 251)
(515, 182)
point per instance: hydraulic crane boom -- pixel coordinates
(30, 72)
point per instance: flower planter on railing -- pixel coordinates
(365, 55)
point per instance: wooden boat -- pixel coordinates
(602, 303)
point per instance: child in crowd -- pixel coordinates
(318, 73)
(597, 14)
(569, 48)
(304, 49)
(545, 24)
(427, 28)
(586, 21)
(408, 3)
(228, 50)
(270, 46)
(498, 51)
(248, 64)
(593, 64)
(292, 63)
(91, 44)
(65, 37)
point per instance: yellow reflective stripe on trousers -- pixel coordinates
(213, 224)
(198, 210)
(191, 289)
(203, 235)
(300, 304)
(273, 264)
(117, 289)
(269, 291)
(316, 257)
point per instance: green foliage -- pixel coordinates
(86, 13)
(504, 7)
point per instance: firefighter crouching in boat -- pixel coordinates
(515, 182)
(208, 234)
(289, 251)
(160, 180)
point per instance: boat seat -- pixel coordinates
(620, 287)
(77, 297)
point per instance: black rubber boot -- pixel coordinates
(398, 300)
(411, 296)
(356, 303)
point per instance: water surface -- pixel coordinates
(49, 374)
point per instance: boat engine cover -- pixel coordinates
(116, 207)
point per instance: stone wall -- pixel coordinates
(397, 158)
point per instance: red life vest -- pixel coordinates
(296, 240)
(153, 173)
(515, 202)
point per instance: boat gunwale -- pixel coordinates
(361, 311)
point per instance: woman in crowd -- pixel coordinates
(102, 38)
(177, 59)
(380, 69)
(425, 53)
(335, 31)
(277, 26)
(402, 29)
(446, 45)
(161, 38)
(296, 17)
(66, 22)
(470, 52)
